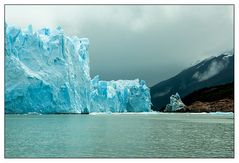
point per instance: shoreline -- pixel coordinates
(127, 113)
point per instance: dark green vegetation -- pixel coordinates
(211, 94)
(218, 70)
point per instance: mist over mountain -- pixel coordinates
(209, 72)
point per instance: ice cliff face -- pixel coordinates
(175, 103)
(45, 72)
(119, 96)
(48, 72)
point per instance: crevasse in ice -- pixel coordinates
(48, 72)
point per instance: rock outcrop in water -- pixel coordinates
(48, 72)
(223, 105)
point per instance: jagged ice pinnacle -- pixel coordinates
(175, 103)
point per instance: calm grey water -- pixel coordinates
(120, 135)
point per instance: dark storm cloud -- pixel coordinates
(150, 42)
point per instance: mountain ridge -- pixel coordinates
(212, 71)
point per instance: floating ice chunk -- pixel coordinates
(175, 103)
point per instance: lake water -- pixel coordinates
(158, 135)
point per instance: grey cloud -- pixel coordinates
(150, 42)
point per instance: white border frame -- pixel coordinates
(236, 27)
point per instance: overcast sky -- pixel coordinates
(149, 42)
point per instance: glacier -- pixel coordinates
(48, 72)
(175, 104)
(119, 96)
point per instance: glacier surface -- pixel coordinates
(48, 72)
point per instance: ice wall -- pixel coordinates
(48, 72)
(119, 96)
(45, 71)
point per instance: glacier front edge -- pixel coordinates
(48, 72)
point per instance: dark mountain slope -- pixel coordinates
(210, 72)
(225, 91)
(213, 99)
